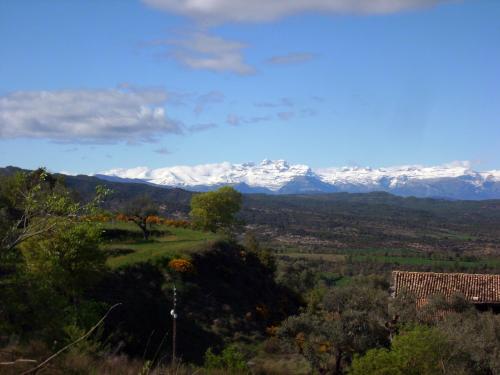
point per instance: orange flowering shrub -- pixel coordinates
(154, 219)
(177, 223)
(181, 265)
(100, 218)
(121, 217)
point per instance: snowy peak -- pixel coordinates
(455, 180)
(395, 174)
(268, 174)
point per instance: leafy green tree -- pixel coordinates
(475, 341)
(251, 242)
(70, 258)
(298, 275)
(31, 204)
(58, 268)
(351, 320)
(419, 351)
(404, 308)
(215, 210)
(138, 210)
(265, 255)
(48, 253)
(473, 337)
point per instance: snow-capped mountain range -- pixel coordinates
(455, 181)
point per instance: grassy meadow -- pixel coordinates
(165, 240)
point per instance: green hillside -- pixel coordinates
(169, 241)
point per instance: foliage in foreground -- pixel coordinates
(444, 337)
(420, 351)
(347, 320)
(48, 257)
(230, 359)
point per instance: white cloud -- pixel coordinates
(235, 120)
(285, 116)
(199, 50)
(219, 11)
(163, 151)
(201, 127)
(68, 173)
(308, 112)
(86, 116)
(291, 58)
(203, 101)
(283, 102)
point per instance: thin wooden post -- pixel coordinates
(174, 326)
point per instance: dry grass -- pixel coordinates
(280, 364)
(76, 363)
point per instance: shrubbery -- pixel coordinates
(230, 358)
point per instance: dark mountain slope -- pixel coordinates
(170, 200)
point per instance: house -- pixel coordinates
(482, 290)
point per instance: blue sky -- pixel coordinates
(91, 85)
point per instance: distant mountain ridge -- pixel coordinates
(453, 181)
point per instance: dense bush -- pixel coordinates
(349, 320)
(230, 358)
(419, 351)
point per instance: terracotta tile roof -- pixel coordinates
(477, 288)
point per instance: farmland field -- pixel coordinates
(391, 258)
